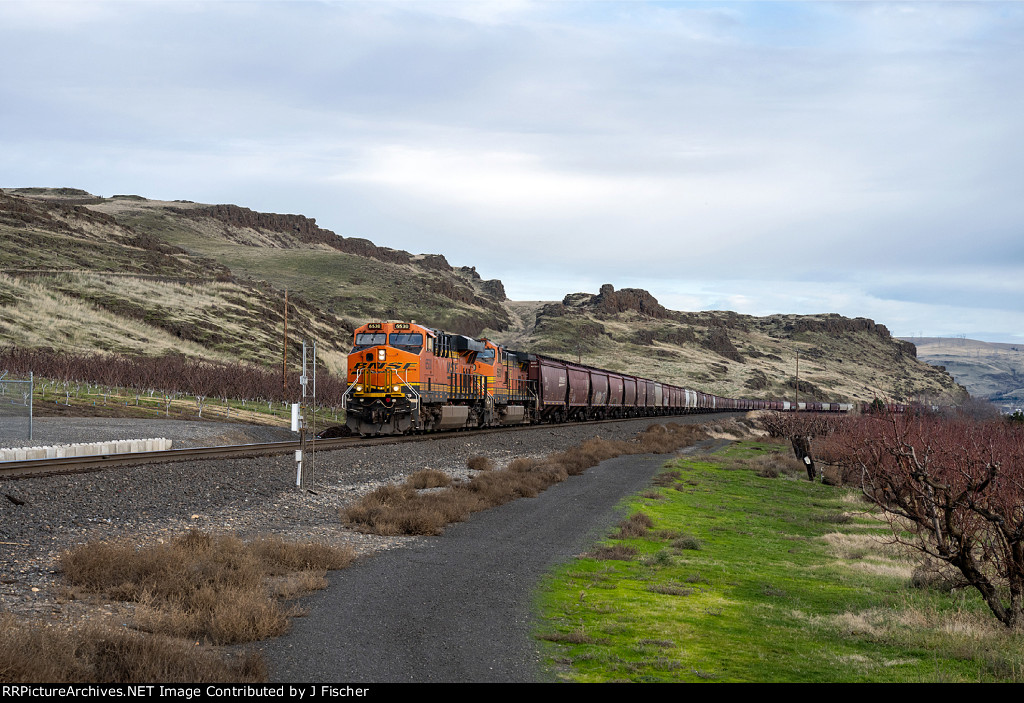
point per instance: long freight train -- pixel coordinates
(405, 377)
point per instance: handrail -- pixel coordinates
(344, 396)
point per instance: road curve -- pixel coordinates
(454, 608)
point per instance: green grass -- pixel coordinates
(357, 287)
(787, 584)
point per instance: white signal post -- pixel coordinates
(304, 469)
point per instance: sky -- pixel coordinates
(764, 157)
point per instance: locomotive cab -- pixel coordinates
(384, 376)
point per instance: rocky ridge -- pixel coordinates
(735, 355)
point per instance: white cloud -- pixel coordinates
(52, 15)
(649, 144)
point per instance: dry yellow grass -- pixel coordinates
(203, 586)
(72, 325)
(397, 509)
(98, 653)
(874, 554)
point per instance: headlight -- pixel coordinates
(396, 388)
(380, 354)
(359, 388)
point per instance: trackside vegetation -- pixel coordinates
(733, 567)
(181, 598)
(402, 509)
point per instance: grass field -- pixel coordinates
(742, 577)
(356, 287)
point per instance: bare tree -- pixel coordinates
(957, 487)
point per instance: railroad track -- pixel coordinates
(66, 465)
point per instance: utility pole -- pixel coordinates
(312, 439)
(796, 405)
(284, 362)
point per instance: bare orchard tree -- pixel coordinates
(951, 488)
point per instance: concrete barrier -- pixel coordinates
(123, 446)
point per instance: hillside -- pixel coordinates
(728, 353)
(988, 370)
(127, 274)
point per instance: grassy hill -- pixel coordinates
(127, 274)
(988, 370)
(727, 353)
(132, 275)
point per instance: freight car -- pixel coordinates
(405, 377)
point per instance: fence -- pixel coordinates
(16, 407)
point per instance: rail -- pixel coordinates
(40, 467)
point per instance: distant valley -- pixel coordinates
(988, 370)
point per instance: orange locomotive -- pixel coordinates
(405, 377)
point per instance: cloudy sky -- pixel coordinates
(852, 157)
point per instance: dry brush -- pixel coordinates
(401, 509)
